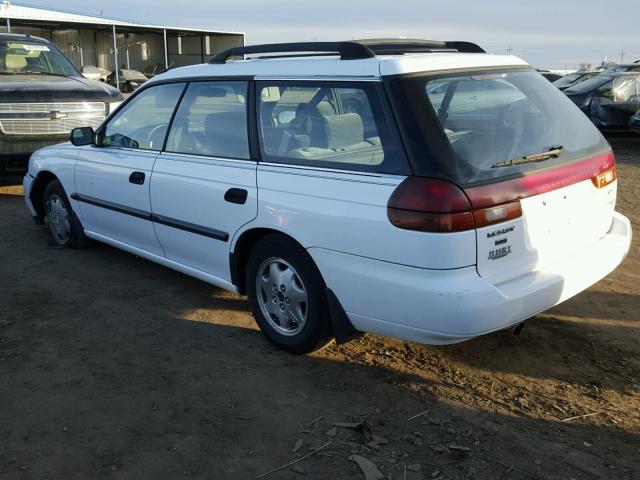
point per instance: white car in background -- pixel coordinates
(422, 190)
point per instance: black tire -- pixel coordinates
(316, 330)
(76, 238)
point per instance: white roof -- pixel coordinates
(327, 67)
(23, 12)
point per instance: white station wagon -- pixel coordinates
(417, 189)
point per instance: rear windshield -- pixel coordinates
(495, 124)
(567, 79)
(591, 84)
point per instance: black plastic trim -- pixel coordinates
(347, 50)
(343, 329)
(170, 222)
(190, 227)
(116, 207)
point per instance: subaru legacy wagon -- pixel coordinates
(422, 190)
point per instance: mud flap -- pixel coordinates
(343, 329)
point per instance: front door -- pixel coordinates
(112, 178)
(204, 184)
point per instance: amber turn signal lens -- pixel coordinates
(605, 178)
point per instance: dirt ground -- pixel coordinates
(114, 367)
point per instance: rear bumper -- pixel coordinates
(449, 306)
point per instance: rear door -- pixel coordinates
(204, 184)
(112, 179)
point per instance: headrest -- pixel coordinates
(342, 130)
(15, 62)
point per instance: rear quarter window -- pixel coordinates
(335, 125)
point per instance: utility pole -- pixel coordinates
(509, 50)
(622, 56)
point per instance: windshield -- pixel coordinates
(591, 84)
(24, 57)
(497, 123)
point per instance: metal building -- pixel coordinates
(107, 42)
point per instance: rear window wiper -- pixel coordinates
(552, 152)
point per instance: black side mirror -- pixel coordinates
(82, 136)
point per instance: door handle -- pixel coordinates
(136, 178)
(236, 195)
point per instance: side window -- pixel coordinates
(142, 122)
(327, 124)
(212, 121)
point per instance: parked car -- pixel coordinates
(552, 77)
(634, 122)
(573, 79)
(95, 73)
(608, 99)
(151, 71)
(459, 193)
(42, 98)
(128, 81)
(624, 67)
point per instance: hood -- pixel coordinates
(50, 88)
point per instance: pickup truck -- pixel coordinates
(43, 97)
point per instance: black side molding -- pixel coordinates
(190, 227)
(170, 222)
(343, 329)
(116, 207)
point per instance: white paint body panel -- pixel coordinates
(103, 173)
(553, 225)
(441, 307)
(192, 189)
(347, 212)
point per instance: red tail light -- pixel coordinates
(430, 205)
(433, 205)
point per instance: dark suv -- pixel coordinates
(42, 98)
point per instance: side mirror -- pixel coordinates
(82, 136)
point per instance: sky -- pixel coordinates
(554, 34)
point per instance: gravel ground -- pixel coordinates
(114, 367)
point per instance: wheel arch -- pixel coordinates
(341, 326)
(239, 255)
(36, 196)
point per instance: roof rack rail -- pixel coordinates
(347, 50)
(398, 46)
(350, 50)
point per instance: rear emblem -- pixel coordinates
(502, 231)
(499, 252)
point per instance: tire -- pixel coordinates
(64, 227)
(295, 318)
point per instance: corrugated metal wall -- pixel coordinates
(145, 49)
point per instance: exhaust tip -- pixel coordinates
(517, 330)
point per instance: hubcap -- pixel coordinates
(282, 296)
(58, 218)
